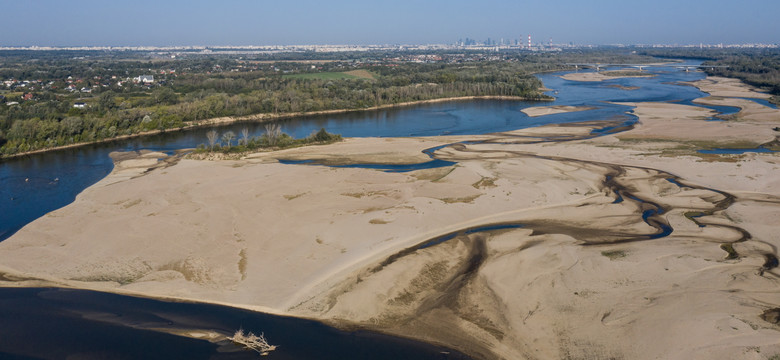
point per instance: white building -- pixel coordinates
(144, 79)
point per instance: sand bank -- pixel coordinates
(600, 76)
(748, 110)
(668, 121)
(732, 92)
(727, 87)
(572, 270)
(556, 109)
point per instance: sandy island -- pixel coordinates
(603, 75)
(572, 271)
(555, 109)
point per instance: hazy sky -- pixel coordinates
(261, 22)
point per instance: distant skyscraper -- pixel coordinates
(529, 41)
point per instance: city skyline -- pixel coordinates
(239, 22)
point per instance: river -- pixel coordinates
(34, 185)
(63, 323)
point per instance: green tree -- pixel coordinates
(72, 126)
(106, 101)
(164, 96)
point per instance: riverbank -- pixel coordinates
(227, 120)
(528, 247)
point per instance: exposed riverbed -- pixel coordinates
(422, 252)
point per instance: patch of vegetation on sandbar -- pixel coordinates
(272, 139)
(614, 254)
(729, 248)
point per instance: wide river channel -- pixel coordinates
(51, 323)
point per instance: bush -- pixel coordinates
(324, 136)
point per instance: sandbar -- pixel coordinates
(601, 76)
(555, 109)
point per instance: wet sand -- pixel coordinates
(539, 243)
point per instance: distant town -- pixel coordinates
(489, 44)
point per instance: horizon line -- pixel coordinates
(377, 46)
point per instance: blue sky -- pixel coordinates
(261, 22)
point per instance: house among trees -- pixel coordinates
(146, 79)
(80, 105)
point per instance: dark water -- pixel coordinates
(59, 323)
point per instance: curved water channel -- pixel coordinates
(34, 185)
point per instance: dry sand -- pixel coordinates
(599, 76)
(556, 109)
(583, 278)
(726, 87)
(732, 92)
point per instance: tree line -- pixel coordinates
(208, 89)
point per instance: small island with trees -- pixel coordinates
(272, 139)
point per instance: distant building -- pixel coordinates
(80, 105)
(86, 90)
(146, 79)
(12, 103)
(27, 96)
